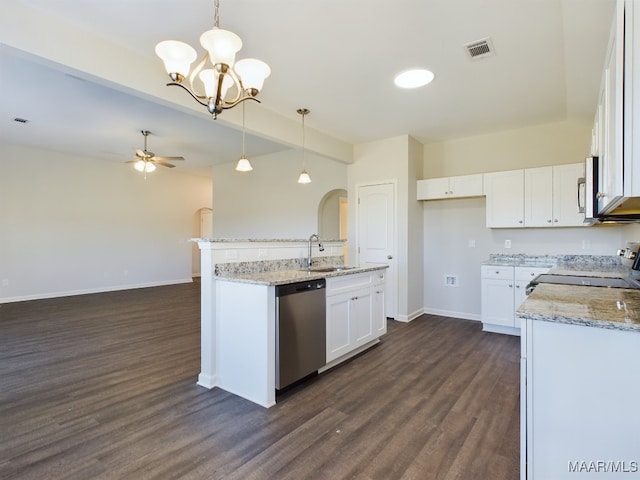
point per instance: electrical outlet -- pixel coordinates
(472, 244)
(263, 252)
(451, 280)
(586, 244)
(232, 255)
(507, 244)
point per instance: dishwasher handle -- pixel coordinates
(300, 287)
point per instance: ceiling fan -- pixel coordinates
(146, 161)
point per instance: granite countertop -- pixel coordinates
(283, 277)
(610, 308)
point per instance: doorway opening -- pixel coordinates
(333, 217)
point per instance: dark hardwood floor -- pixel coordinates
(103, 386)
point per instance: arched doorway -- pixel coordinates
(333, 217)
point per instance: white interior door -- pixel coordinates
(376, 242)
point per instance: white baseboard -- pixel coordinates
(69, 293)
(487, 327)
(411, 316)
(451, 313)
(207, 381)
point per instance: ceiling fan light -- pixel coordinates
(139, 165)
(177, 56)
(149, 167)
(244, 165)
(252, 72)
(304, 177)
(222, 45)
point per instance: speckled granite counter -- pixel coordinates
(282, 277)
(610, 308)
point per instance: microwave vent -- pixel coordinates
(480, 49)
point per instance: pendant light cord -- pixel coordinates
(243, 155)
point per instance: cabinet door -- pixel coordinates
(466, 186)
(505, 192)
(338, 325)
(611, 155)
(497, 302)
(379, 318)
(538, 197)
(362, 317)
(566, 212)
(433, 188)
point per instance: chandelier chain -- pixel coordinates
(216, 13)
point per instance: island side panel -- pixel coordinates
(245, 340)
(208, 369)
(583, 396)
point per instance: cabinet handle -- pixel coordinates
(555, 220)
(600, 195)
(517, 286)
(497, 272)
(378, 291)
(519, 221)
(549, 221)
(510, 285)
(354, 298)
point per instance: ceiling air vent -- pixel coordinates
(480, 49)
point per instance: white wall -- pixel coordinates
(450, 225)
(538, 146)
(395, 159)
(78, 225)
(268, 202)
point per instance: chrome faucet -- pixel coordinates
(320, 247)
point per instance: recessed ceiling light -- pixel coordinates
(413, 78)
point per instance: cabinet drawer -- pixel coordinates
(489, 271)
(345, 283)
(529, 273)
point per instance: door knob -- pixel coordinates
(389, 257)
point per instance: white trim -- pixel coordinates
(452, 314)
(410, 317)
(69, 293)
(207, 381)
(489, 327)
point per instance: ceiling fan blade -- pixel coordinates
(133, 161)
(164, 164)
(170, 159)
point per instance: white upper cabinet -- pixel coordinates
(505, 198)
(538, 197)
(550, 196)
(450, 187)
(610, 121)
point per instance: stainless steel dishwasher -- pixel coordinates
(300, 330)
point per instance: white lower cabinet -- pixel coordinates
(355, 312)
(503, 289)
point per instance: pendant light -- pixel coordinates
(244, 165)
(304, 176)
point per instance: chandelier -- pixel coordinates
(224, 83)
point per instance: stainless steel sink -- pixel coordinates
(328, 269)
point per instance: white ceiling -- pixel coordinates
(335, 57)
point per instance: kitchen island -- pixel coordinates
(579, 382)
(239, 281)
